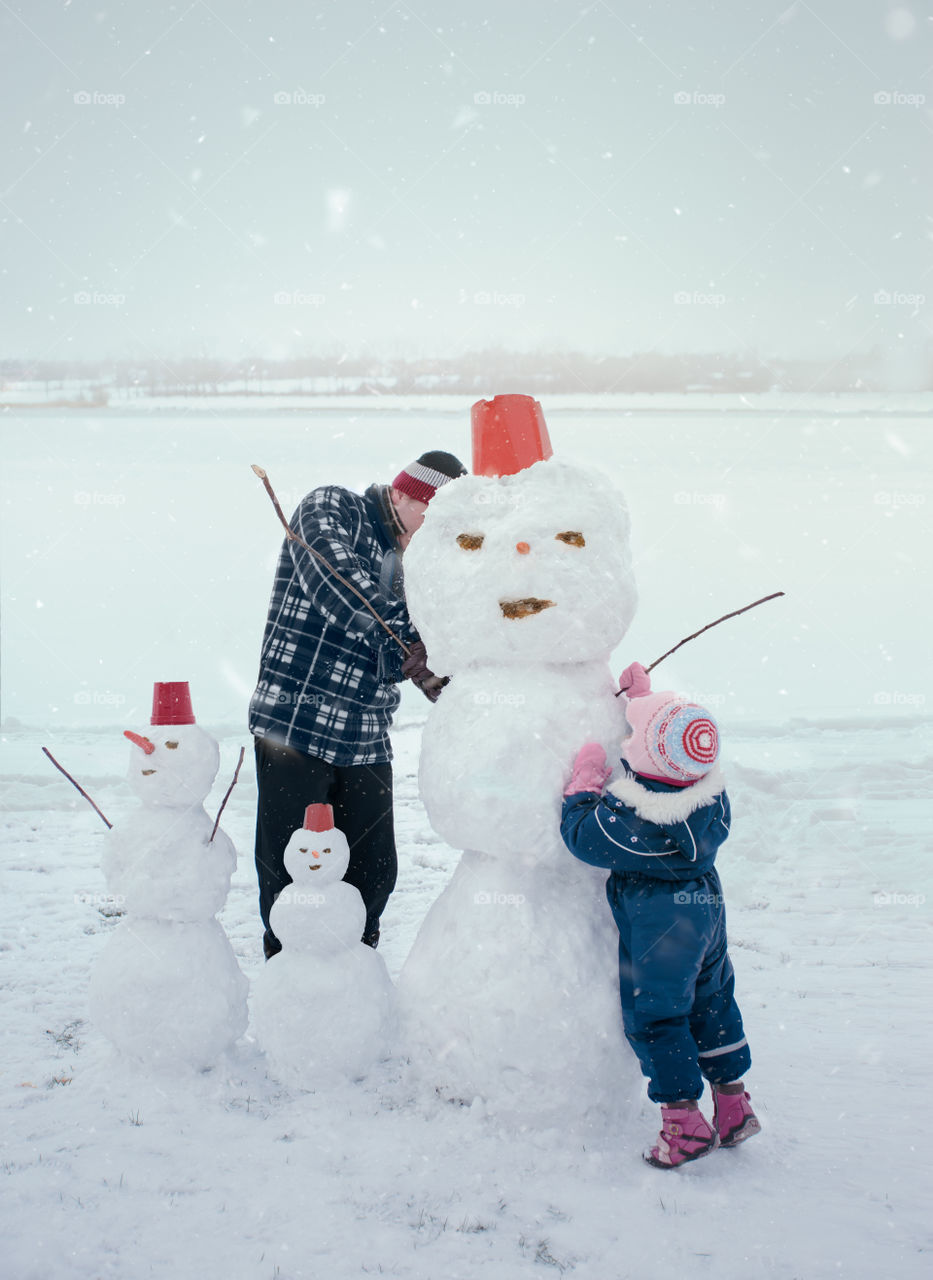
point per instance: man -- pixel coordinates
(328, 678)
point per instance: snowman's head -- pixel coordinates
(317, 858)
(172, 766)
(531, 567)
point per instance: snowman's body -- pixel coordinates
(167, 989)
(521, 587)
(495, 754)
(324, 1006)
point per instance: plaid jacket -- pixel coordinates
(328, 671)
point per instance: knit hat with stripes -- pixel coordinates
(673, 739)
(422, 479)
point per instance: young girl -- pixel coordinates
(657, 829)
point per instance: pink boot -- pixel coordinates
(685, 1135)
(733, 1118)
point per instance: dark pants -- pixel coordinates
(361, 796)
(678, 986)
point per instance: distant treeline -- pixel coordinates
(476, 371)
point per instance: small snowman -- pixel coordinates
(520, 583)
(167, 989)
(324, 1006)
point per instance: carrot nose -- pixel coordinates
(140, 741)
(522, 548)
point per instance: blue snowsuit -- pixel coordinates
(675, 976)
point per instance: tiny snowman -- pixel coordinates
(167, 989)
(324, 1006)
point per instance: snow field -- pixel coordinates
(141, 548)
(225, 1173)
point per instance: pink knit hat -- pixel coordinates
(673, 740)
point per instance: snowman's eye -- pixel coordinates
(572, 538)
(470, 541)
(325, 851)
(304, 850)
(171, 745)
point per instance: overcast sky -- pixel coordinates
(276, 176)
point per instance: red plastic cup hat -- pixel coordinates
(422, 478)
(672, 739)
(509, 434)
(319, 817)
(171, 703)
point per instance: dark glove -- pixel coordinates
(415, 668)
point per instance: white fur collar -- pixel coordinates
(668, 807)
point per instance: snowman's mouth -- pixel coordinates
(146, 772)
(525, 607)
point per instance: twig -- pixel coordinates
(340, 578)
(227, 796)
(734, 614)
(75, 784)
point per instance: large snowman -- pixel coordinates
(324, 1007)
(520, 584)
(167, 990)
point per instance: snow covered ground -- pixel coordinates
(823, 699)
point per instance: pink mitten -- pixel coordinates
(589, 770)
(635, 681)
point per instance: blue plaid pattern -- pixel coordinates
(328, 672)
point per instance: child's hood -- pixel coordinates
(656, 802)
